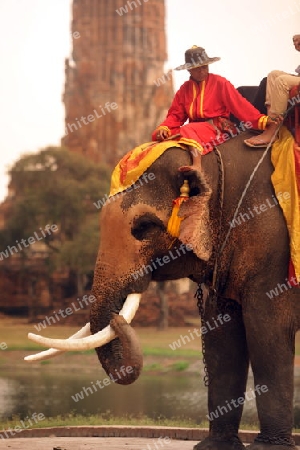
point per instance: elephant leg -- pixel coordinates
(226, 357)
(271, 338)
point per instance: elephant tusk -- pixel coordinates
(99, 339)
(52, 352)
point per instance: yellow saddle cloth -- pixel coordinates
(136, 162)
(285, 178)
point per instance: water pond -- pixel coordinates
(70, 390)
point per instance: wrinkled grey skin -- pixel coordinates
(254, 261)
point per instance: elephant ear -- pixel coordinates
(195, 226)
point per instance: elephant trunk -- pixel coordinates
(122, 357)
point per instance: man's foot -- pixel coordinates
(257, 142)
(270, 134)
(261, 141)
(196, 161)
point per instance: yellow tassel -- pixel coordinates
(175, 221)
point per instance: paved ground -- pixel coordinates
(112, 438)
(94, 443)
(107, 438)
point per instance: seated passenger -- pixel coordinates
(278, 87)
(207, 100)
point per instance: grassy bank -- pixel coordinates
(71, 420)
(157, 347)
(160, 355)
(154, 342)
(97, 420)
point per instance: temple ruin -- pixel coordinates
(116, 88)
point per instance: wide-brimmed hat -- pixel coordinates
(196, 57)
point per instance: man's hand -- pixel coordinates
(162, 135)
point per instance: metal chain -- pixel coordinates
(200, 305)
(289, 441)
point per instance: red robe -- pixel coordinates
(214, 98)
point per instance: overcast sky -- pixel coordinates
(251, 38)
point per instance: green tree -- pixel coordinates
(57, 187)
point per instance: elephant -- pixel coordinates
(240, 263)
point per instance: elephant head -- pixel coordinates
(136, 247)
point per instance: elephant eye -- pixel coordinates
(143, 227)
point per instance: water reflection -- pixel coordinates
(182, 395)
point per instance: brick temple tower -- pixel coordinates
(116, 91)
